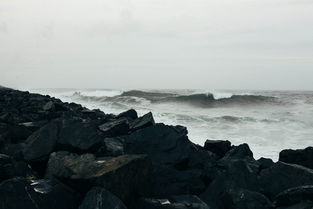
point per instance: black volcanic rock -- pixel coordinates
(125, 176)
(142, 122)
(6, 167)
(218, 147)
(265, 162)
(41, 143)
(116, 127)
(20, 193)
(294, 195)
(78, 135)
(240, 151)
(282, 176)
(174, 202)
(100, 198)
(111, 147)
(130, 114)
(302, 157)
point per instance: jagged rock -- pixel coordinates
(115, 128)
(218, 147)
(142, 122)
(78, 136)
(16, 133)
(111, 147)
(125, 176)
(20, 193)
(282, 176)
(302, 157)
(41, 143)
(99, 198)
(240, 151)
(245, 199)
(131, 114)
(265, 162)
(33, 126)
(294, 195)
(174, 202)
(230, 174)
(165, 145)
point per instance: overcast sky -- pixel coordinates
(206, 44)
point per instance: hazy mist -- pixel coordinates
(207, 44)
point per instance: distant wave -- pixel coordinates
(201, 100)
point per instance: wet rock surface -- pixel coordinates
(62, 155)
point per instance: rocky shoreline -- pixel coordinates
(62, 155)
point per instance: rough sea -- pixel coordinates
(269, 121)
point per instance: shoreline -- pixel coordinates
(70, 155)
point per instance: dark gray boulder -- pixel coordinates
(111, 147)
(6, 167)
(125, 176)
(41, 143)
(265, 162)
(218, 147)
(78, 135)
(240, 151)
(301, 205)
(230, 175)
(294, 195)
(245, 199)
(100, 198)
(130, 114)
(302, 157)
(282, 176)
(142, 122)
(174, 202)
(20, 193)
(116, 127)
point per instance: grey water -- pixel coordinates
(269, 121)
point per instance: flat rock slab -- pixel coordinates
(125, 176)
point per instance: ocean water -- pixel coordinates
(269, 121)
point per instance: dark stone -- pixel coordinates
(142, 122)
(111, 147)
(125, 176)
(115, 128)
(79, 136)
(245, 199)
(174, 202)
(33, 126)
(218, 147)
(265, 162)
(240, 151)
(41, 143)
(20, 193)
(230, 174)
(131, 114)
(99, 198)
(294, 195)
(302, 157)
(282, 176)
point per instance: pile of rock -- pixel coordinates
(62, 155)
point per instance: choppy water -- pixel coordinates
(268, 121)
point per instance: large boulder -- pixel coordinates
(282, 176)
(116, 127)
(129, 114)
(100, 198)
(125, 176)
(78, 135)
(294, 196)
(6, 167)
(240, 151)
(142, 122)
(218, 147)
(20, 193)
(111, 147)
(245, 199)
(302, 157)
(230, 175)
(174, 202)
(41, 143)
